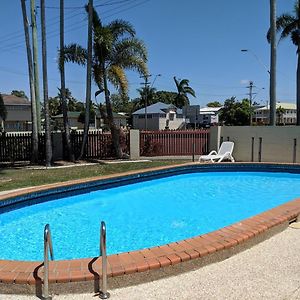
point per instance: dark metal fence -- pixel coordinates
(171, 143)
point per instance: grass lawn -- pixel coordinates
(13, 178)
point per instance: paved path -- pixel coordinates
(269, 270)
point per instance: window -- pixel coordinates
(141, 116)
(149, 116)
(171, 117)
(162, 116)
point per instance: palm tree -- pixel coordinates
(147, 96)
(63, 95)
(288, 25)
(116, 49)
(45, 88)
(183, 89)
(34, 135)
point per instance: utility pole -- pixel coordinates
(273, 63)
(34, 136)
(45, 88)
(146, 84)
(250, 87)
(35, 64)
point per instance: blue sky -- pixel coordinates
(195, 39)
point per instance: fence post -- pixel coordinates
(134, 142)
(57, 145)
(214, 138)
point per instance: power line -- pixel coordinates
(10, 47)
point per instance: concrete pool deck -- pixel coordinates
(269, 270)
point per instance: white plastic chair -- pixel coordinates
(225, 152)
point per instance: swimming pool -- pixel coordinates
(144, 214)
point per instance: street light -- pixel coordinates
(158, 75)
(257, 58)
(146, 85)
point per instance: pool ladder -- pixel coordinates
(47, 247)
(103, 294)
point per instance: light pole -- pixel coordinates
(257, 58)
(146, 87)
(272, 72)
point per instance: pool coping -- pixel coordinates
(89, 269)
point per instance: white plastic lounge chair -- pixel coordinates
(225, 152)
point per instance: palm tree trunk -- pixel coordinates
(63, 85)
(115, 132)
(298, 89)
(45, 86)
(34, 135)
(88, 80)
(273, 63)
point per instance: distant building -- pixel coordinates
(18, 113)
(210, 115)
(201, 117)
(58, 121)
(289, 117)
(159, 116)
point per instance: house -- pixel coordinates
(210, 115)
(119, 119)
(288, 117)
(72, 118)
(159, 116)
(18, 113)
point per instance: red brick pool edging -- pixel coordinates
(31, 273)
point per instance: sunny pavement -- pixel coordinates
(269, 270)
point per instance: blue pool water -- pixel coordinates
(144, 214)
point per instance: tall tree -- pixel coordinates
(183, 89)
(147, 96)
(214, 104)
(3, 112)
(34, 135)
(63, 85)
(288, 25)
(45, 88)
(115, 49)
(20, 94)
(280, 111)
(236, 113)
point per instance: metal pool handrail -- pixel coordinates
(103, 294)
(47, 247)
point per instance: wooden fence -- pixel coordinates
(171, 143)
(18, 147)
(99, 145)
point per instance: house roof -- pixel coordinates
(284, 105)
(156, 108)
(71, 114)
(14, 100)
(210, 109)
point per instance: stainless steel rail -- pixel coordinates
(103, 294)
(47, 247)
